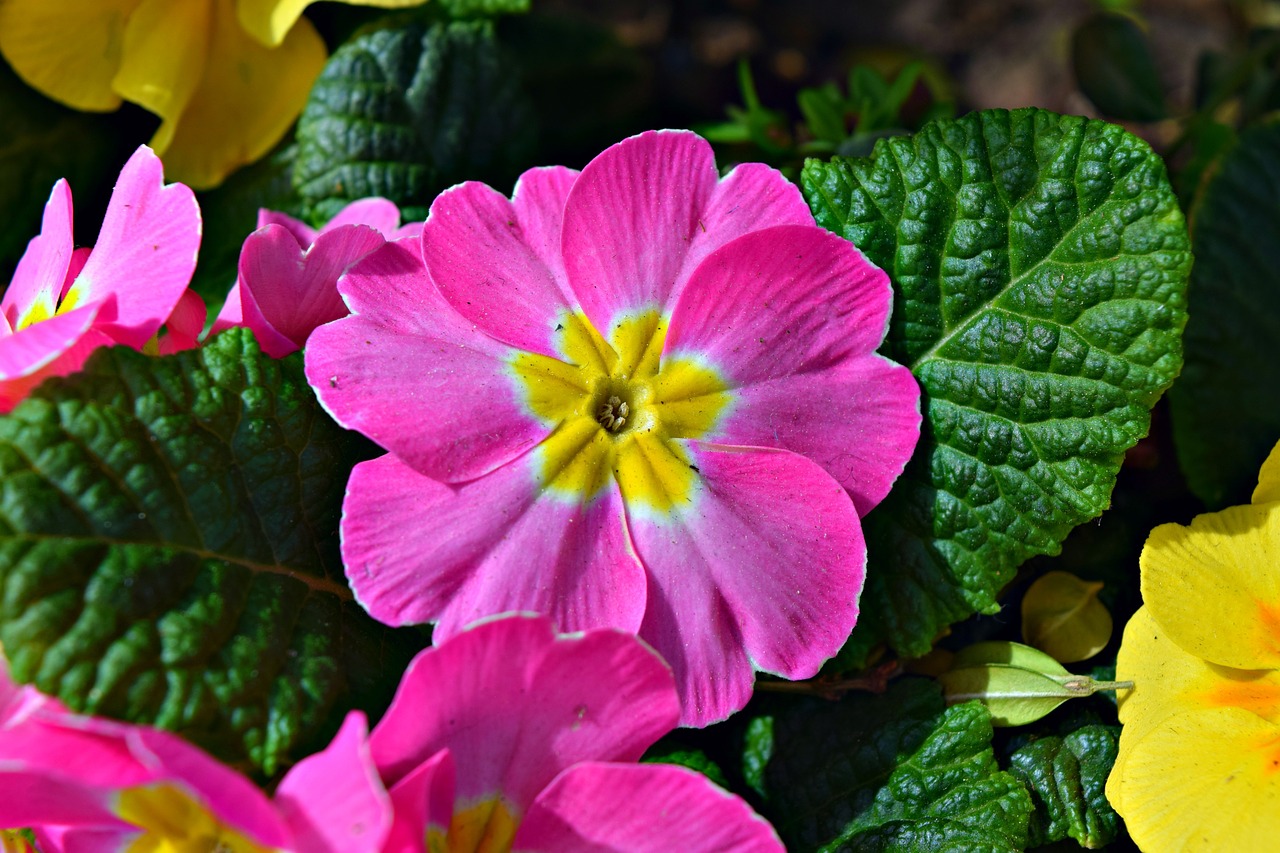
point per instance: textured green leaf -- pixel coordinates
(484, 8)
(1114, 68)
(1039, 265)
(1067, 777)
(891, 772)
(168, 551)
(404, 113)
(1226, 406)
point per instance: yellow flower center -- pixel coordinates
(486, 827)
(615, 407)
(172, 822)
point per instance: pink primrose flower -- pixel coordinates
(506, 737)
(64, 303)
(509, 737)
(288, 272)
(642, 397)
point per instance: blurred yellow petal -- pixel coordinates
(1204, 780)
(1215, 586)
(165, 48)
(67, 49)
(1269, 478)
(247, 99)
(269, 21)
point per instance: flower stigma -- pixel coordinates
(617, 409)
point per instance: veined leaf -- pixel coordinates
(891, 772)
(168, 551)
(1226, 406)
(1039, 265)
(1067, 778)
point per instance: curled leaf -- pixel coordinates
(1062, 616)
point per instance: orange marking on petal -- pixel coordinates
(1269, 616)
(1259, 697)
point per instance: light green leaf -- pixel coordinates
(1226, 406)
(1008, 654)
(1067, 778)
(404, 113)
(168, 552)
(891, 772)
(1039, 265)
(1062, 616)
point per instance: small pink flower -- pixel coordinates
(89, 784)
(288, 273)
(64, 303)
(642, 397)
(508, 737)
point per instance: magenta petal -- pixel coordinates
(629, 220)
(183, 328)
(301, 231)
(43, 267)
(39, 344)
(333, 801)
(859, 420)
(539, 201)
(803, 300)
(295, 289)
(421, 801)
(476, 251)
(638, 808)
(767, 563)
(523, 704)
(380, 214)
(231, 314)
(32, 798)
(145, 253)
(418, 550)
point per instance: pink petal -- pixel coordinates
(539, 200)
(295, 290)
(479, 257)
(333, 801)
(767, 563)
(79, 258)
(523, 704)
(418, 550)
(637, 808)
(70, 360)
(229, 797)
(751, 197)
(231, 314)
(26, 351)
(43, 267)
(33, 798)
(421, 801)
(803, 300)
(79, 750)
(378, 213)
(859, 420)
(183, 328)
(411, 374)
(74, 839)
(629, 220)
(302, 232)
(145, 253)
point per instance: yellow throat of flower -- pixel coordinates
(172, 822)
(486, 827)
(615, 407)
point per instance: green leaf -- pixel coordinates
(404, 113)
(1226, 406)
(1067, 778)
(668, 751)
(1114, 68)
(168, 552)
(891, 772)
(484, 8)
(1039, 265)
(1008, 654)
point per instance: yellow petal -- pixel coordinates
(1204, 780)
(1269, 478)
(248, 96)
(165, 48)
(269, 21)
(68, 49)
(1215, 586)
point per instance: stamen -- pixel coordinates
(613, 414)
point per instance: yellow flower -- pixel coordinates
(226, 77)
(1199, 762)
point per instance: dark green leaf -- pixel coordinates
(1067, 777)
(404, 113)
(484, 8)
(1114, 68)
(666, 751)
(891, 772)
(1226, 406)
(1039, 266)
(168, 551)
